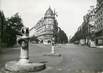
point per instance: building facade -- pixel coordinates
(91, 27)
(86, 32)
(99, 23)
(47, 27)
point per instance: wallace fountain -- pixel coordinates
(23, 64)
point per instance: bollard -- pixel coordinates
(53, 48)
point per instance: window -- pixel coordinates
(100, 42)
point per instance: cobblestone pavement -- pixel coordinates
(73, 59)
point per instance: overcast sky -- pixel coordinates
(70, 12)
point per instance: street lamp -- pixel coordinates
(53, 45)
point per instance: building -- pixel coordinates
(86, 31)
(91, 26)
(46, 27)
(99, 23)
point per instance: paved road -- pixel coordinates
(74, 59)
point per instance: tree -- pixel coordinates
(2, 28)
(61, 37)
(15, 23)
(14, 28)
(9, 28)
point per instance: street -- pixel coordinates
(73, 59)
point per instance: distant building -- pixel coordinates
(92, 20)
(46, 27)
(85, 33)
(99, 23)
(91, 29)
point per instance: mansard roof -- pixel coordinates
(49, 12)
(40, 22)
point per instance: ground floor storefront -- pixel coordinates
(99, 39)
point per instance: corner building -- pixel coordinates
(47, 27)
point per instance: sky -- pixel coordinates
(70, 12)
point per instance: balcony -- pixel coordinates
(44, 33)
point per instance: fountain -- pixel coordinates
(24, 64)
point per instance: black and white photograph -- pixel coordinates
(51, 36)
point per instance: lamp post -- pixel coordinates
(53, 53)
(53, 46)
